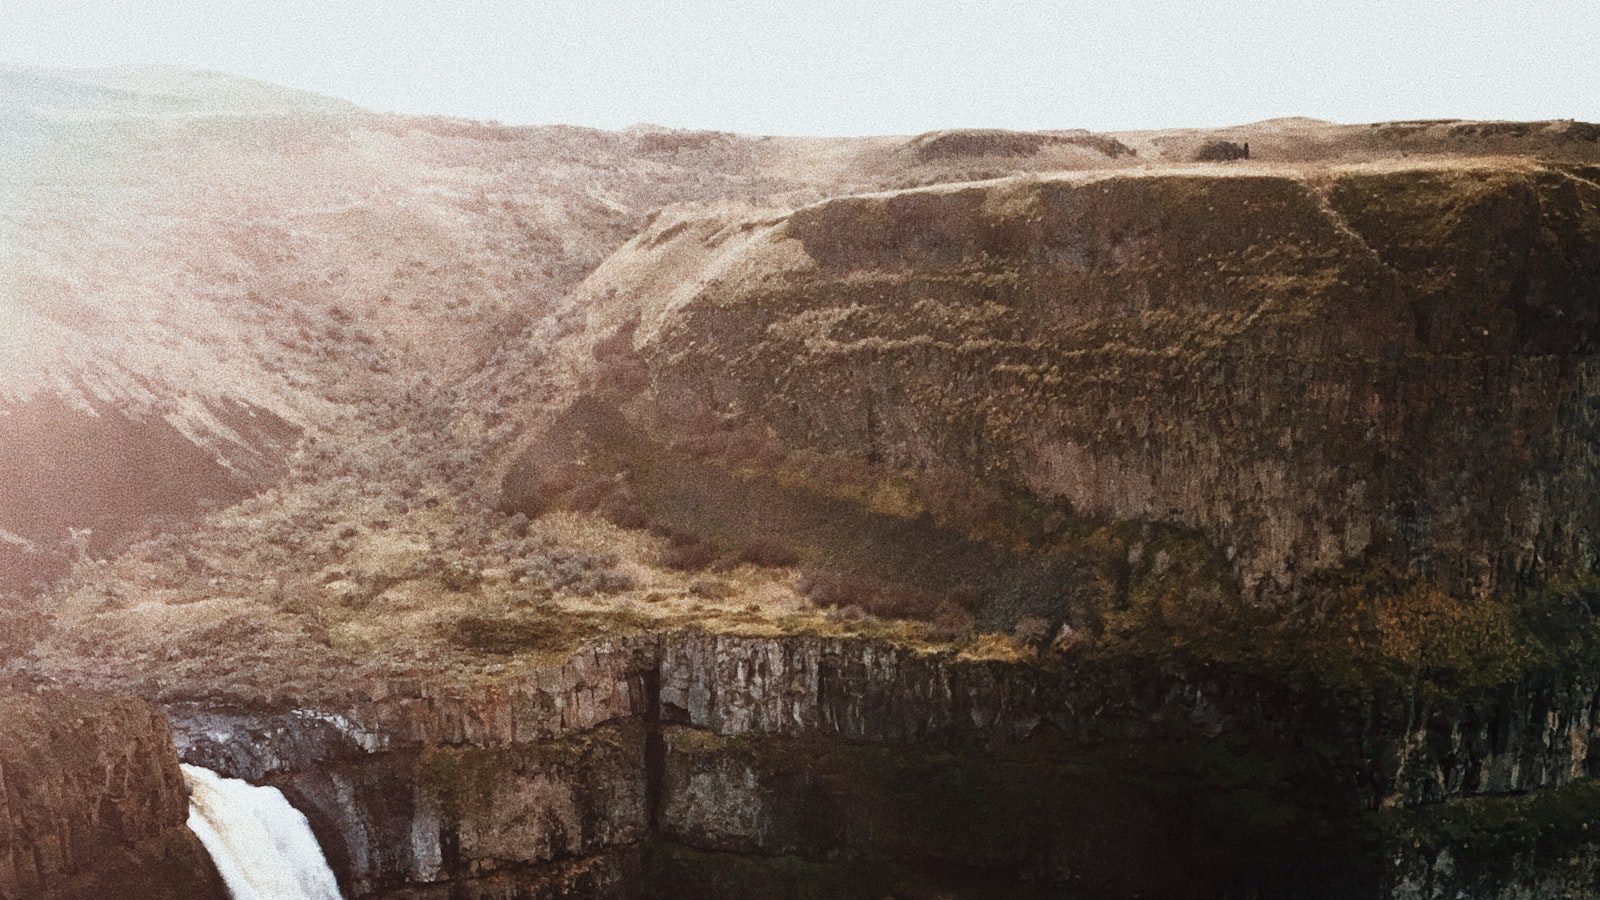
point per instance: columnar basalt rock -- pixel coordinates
(1312, 370)
(1232, 493)
(841, 750)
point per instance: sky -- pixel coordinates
(862, 66)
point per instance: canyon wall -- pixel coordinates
(1312, 370)
(1213, 396)
(702, 765)
(92, 804)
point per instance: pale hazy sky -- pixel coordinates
(862, 66)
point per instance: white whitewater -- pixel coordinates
(263, 847)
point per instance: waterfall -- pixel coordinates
(263, 847)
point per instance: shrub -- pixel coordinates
(710, 589)
(622, 508)
(954, 496)
(460, 577)
(1222, 151)
(1031, 630)
(828, 588)
(950, 622)
(612, 497)
(508, 636)
(611, 581)
(531, 486)
(873, 595)
(768, 550)
(687, 553)
(656, 143)
(20, 626)
(560, 568)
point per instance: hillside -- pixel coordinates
(197, 279)
(689, 483)
(218, 288)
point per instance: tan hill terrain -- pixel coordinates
(600, 513)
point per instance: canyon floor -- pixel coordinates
(558, 512)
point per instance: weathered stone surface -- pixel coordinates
(1525, 737)
(599, 684)
(1023, 815)
(745, 727)
(1439, 876)
(614, 875)
(596, 685)
(1311, 371)
(1393, 748)
(92, 804)
(451, 814)
(254, 745)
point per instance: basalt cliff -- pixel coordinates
(92, 804)
(681, 514)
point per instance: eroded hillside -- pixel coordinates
(1154, 397)
(202, 270)
(553, 509)
(1309, 367)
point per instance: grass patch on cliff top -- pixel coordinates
(1376, 631)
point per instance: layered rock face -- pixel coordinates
(1206, 399)
(1311, 370)
(1305, 374)
(704, 765)
(526, 787)
(92, 804)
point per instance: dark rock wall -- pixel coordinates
(1311, 372)
(1442, 876)
(469, 815)
(93, 805)
(657, 757)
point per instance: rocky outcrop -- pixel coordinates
(474, 816)
(1441, 876)
(1522, 738)
(529, 780)
(1302, 459)
(1356, 407)
(1398, 748)
(1199, 389)
(1313, 371)
(1026, 818)
(613, 875)
(92, 804)
(597, 685)
(667, 758)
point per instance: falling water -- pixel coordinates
(263, 847)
